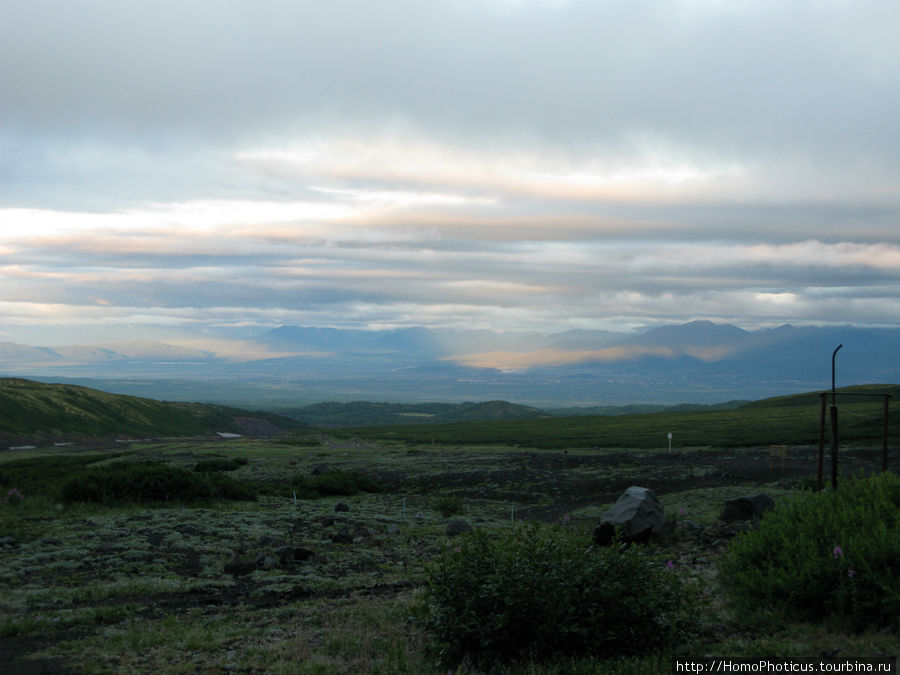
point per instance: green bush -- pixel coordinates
(150, 482)
(210, 465)
(43, 475)
(834, 552)
(448, 506)
(334, 483)
(537, 593)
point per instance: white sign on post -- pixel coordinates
(670, 440)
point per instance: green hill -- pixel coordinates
(368, 413)
(782, 420)
(30, 408)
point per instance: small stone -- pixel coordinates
(7, 541)
(240, 567)
(303, 554)
(342, 537)
(341, 506)
(265, 562)
(457, 527)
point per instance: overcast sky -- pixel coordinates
(505, 164)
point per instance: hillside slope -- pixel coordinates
(30, 408)
(793, 420)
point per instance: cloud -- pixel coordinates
(503, 164)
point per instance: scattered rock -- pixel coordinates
(265, 562)
(326, 521)
(7, 541)
(342, 537)
(457, 527)
(341, 506)
(303, 554)
(747, 508)
(393, 529)
(690, 525)
(240, 567)
(637, 513)
(108, 547)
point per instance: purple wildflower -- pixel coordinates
(851, 573)
(670, 565)
(838, 552)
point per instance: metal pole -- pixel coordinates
(884, 446)
(834, 423)
(821, 443)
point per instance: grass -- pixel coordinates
(143, 589)
(28, 407)
(790, 420)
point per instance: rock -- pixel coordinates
(50, 541)
(240, 567)
(326, 521)
(303, 554)
(7, 541)
(108, 547)
(747, 508)
(265, 562)
(690, 525)
(457, 527)
(271, 541)
(637, 513)
(341, 506)
(342, 537)
(393, 529)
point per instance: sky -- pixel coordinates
(539, 165)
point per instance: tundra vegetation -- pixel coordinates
(330, 553)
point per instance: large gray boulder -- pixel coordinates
(637, 513)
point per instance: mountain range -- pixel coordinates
(696, 362)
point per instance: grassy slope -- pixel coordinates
(783, 420)
(28, 407)
(367, 413)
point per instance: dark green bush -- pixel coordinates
(833, 552)
(448, 506)
(150, 482)
(537, 593)
(43, 475)
(337, 483)
(210, 465)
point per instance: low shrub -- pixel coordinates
(336, 483)
(538, 593)
(448, 506)
(210, 465)
(824, 553)
(302, 442)
(150, 482)
(43, 475)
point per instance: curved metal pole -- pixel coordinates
(833, 355)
